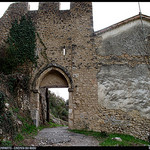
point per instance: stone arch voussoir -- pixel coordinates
(49, 67)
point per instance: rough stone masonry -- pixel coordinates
(107, 78)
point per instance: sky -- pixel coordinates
(62, 92)
(104, 14)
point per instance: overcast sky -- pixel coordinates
(104, 15)
(62, 92)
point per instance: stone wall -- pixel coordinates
(123, 78)
(126, 88)
(70, 29)
(107, 77)
(132, 41)
(17, 96)
(14, 11)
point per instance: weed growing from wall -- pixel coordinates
(6, 118)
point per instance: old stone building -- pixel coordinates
(106, 72)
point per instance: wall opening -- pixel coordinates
(54, 97)
(34, 5)
(64, 6)
(51, 76)
(64, 51)
(59, 103)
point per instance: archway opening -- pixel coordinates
(54, 97)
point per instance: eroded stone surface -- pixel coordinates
(126, 88)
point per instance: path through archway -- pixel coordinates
(50, 77)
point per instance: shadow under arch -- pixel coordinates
(48, 68)
(36, 85)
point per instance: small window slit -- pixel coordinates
(64, 51)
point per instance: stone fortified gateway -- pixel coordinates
(105, 72)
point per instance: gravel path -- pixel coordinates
(60, 136)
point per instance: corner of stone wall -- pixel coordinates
(83, 11)
(19, 8)
(14, 11)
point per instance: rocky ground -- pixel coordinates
(60, 136)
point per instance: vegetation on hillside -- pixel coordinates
(15, 58)
(13, 122)
(58, 106)
(18, 125)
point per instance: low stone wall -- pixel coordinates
(98, 118)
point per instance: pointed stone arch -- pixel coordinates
(48, 68)
(52, 75)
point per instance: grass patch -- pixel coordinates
(16, 110)
(28, 129)
(33, 130)
(53, 125)
(98, 135)
(5, 143)
(19, 137)
(127, 140)
(105, 139)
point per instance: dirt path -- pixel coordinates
(60, 136)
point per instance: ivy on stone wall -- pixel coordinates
(16, 82)
(21, 46)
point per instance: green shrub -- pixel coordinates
(12, 84)
(16, 82)
(58, 107)
(19, 137)
(52, 125)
